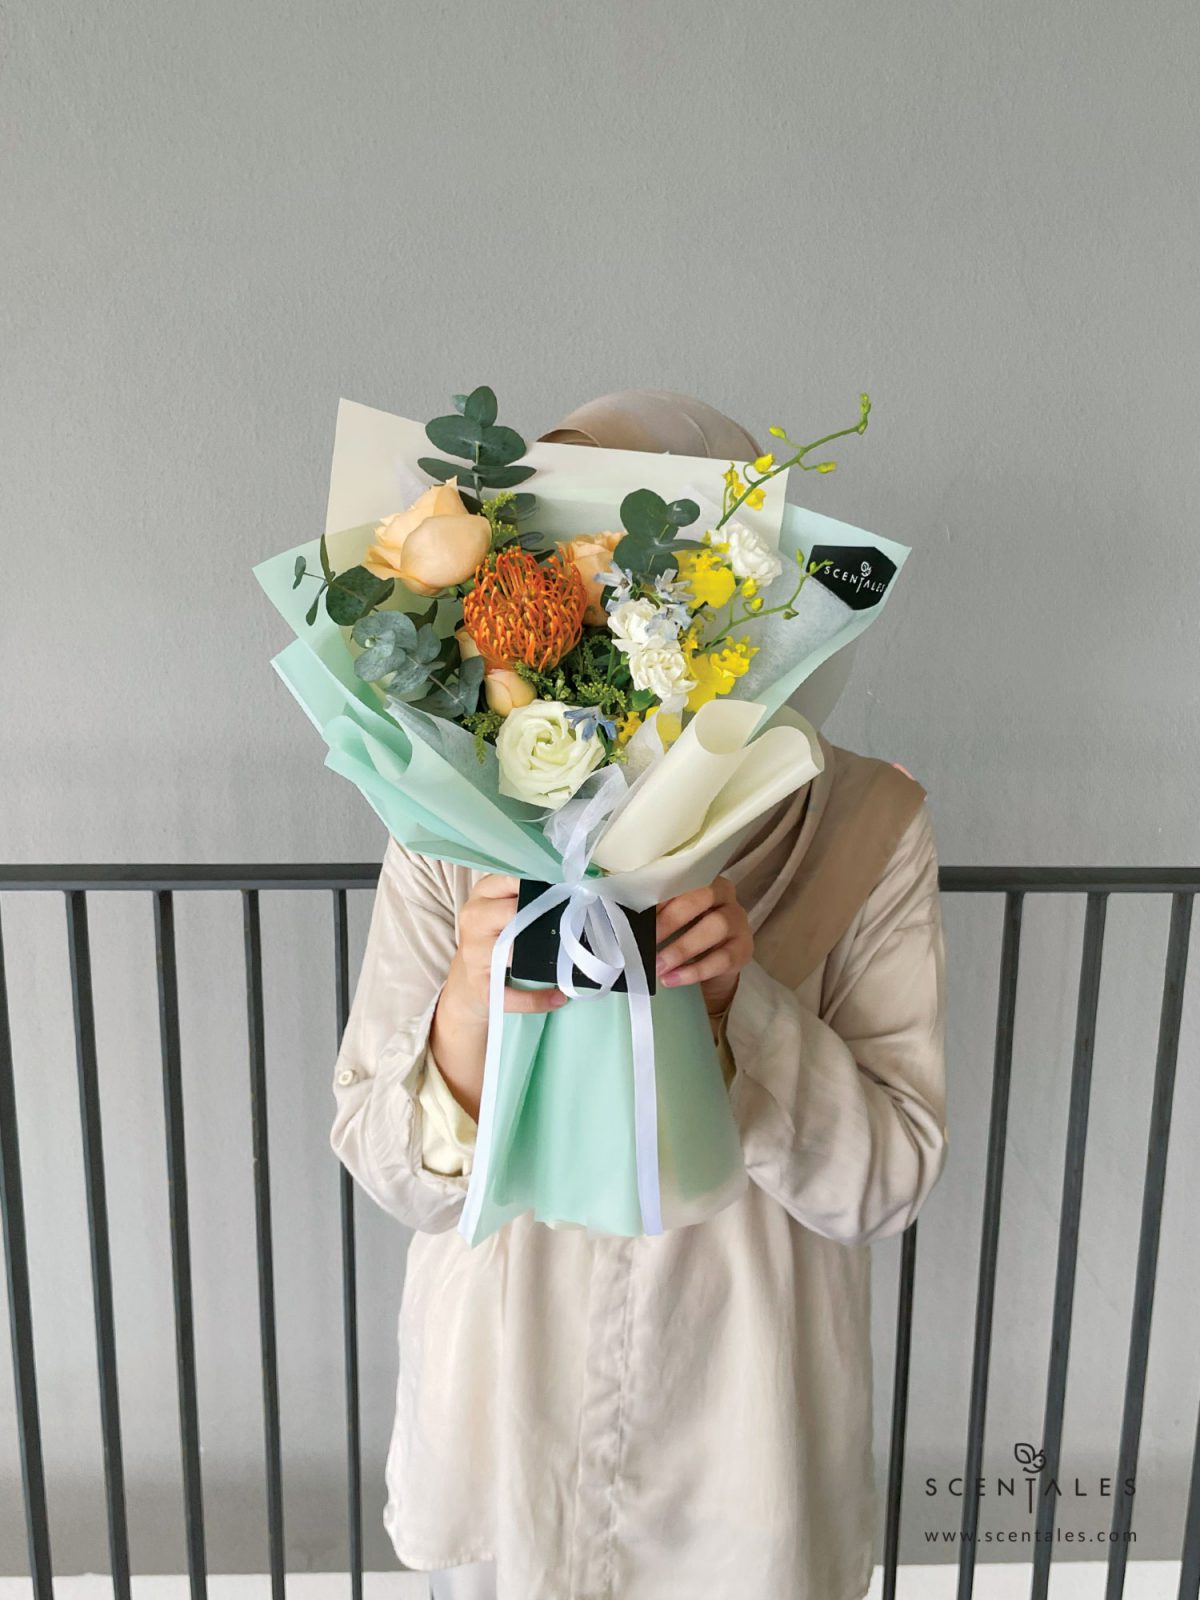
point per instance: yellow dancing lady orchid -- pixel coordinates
(710, 580)
(717, 671)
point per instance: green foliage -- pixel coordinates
(485, 725)
(457, 697)
(594, 673)
(652, 526)
(353, 593)
(406, 657)
(348, 595)
(504, 511)
(490, 451)
(398, 649)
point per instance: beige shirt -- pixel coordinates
(670, 1417)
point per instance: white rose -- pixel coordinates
(750, 555)
(542, 759)
(638, 622)
(661, 668)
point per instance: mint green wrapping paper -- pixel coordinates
(563, 1142)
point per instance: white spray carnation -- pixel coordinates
(750, 555)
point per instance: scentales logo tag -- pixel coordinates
(857, 573)
(1032, 1462)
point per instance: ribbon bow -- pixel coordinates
(590, 911)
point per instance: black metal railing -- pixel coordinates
(164, 882)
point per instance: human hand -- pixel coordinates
(491, 906)
(458, 1038)
(714, 946)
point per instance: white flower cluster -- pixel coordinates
(649, 635)
(750, 555)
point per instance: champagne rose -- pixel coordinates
(591, 554)
(436, 543)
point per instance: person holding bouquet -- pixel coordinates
(588, 1417)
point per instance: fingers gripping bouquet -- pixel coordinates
(596, 707)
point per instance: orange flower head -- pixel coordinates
(522, 609)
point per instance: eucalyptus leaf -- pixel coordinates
(682, 513)
(504, 477)
(441, 470)
(459, 402)
(480, 406)
(298, 571)
(355, 592)
(458, 436)
(522, 506)
(394, 628)
(428, 645)
(378, 661)
(644, 512)
(648, 557)
(410, 681)
(325, 566)
(499, 446)
(310, 615)
(458, 698)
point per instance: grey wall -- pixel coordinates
(218, 217)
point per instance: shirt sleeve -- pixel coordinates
(389, 1128)
(842, 1116)
(448, 1141)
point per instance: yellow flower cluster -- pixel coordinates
(737, 488)
(710, 580)
(717, 671)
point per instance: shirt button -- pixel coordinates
(346, 1077)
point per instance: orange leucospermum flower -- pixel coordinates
(522, 609)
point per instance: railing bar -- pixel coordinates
(1068, 1234)
(97, 1210)
(20, 1315)
(252, 931)
(181, 1252)
(1154, 1187)
(222, 876)
(895, 1486)
(1006, 1011)
(341, 950)
(225, 876)
(1069, 880)
(1189, 1572)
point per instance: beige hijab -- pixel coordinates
(656, 420)
(818, 855)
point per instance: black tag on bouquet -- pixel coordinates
(857, 573)
(535, 949)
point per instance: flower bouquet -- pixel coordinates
(581, 683)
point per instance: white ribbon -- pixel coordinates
(587, 911)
